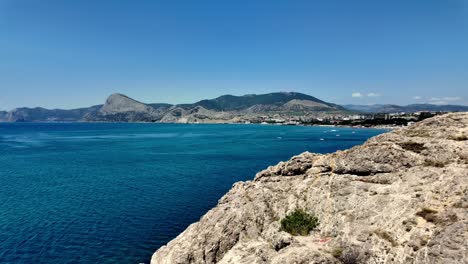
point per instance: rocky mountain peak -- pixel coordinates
(119, 103)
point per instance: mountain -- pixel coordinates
(223, 109)
(377, 108)
(401, 197)
(226, 108)
(39, 114)
(3, 116)
(119, 103)
(431, 107)
(389, 108)
(121, 108)
(237, 103)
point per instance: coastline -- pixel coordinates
(347, 191)
(206, 123)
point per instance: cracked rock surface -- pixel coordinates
(402, 197)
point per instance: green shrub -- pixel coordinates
(299, 223)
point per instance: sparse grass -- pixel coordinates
(417, 133)
(375, 180)
(413, 146)
(385, 235)
(434, 163)
(299, 222)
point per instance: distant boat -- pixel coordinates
(322, 139)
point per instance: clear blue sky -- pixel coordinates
(69, 54)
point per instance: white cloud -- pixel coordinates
(417, 97)
(448, 98)
(455, 98)
(361, 95)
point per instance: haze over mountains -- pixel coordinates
(391, 108)
(226, 108)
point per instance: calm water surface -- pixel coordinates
(114, 193)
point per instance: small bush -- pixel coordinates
(299, 223)
(351, 256)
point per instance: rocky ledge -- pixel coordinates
(402, 197)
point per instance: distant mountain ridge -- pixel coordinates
(390, 108)
(39, 114)
(235, 103)
(227, 108)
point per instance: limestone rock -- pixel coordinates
(402, 197)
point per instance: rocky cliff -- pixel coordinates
(402, 197)
(121, 108)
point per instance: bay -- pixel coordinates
(116, 192)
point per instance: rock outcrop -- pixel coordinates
(119, 103)
(121, 108)
(402, 197)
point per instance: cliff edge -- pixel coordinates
(402, 197)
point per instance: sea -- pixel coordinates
(116, 192)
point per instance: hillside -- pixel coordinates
(236, 103)
(121, 108)
(226, 108)
(399, 198)
(39, 114)
(389, 108)
(223, 109)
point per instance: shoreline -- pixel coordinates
(342, 189)
(212, 123)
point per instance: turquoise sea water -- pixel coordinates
(114, 193)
